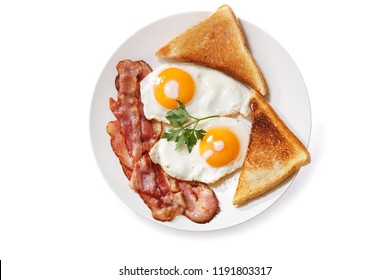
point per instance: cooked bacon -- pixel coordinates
(202, 204)
(140, 134)
(153, 185)
(132, 137)
(119, 147)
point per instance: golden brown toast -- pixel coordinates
(217, 42)
(274, 154)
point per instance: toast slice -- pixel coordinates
(217, 42)
(274, 154)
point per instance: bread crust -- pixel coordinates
(217, 42)
(274, 154)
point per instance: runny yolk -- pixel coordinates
(173, 84)
(219, 146)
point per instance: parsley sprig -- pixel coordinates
(183, 130)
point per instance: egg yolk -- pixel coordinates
(173, 84)
(219, 146)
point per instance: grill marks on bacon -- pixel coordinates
(132, 137)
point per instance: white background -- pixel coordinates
(60, 220)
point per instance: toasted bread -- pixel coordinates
(274, 154)
(217, 42)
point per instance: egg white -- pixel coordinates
(215, 93)
(187, 166)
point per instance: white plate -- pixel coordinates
(288, 96)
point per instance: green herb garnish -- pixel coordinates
(183, 130)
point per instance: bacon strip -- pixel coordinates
(200, 199)
(119, 147)
(139, 133)
(153, 185)
(132, 137)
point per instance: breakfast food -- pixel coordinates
(217, 42)
(132, 136)
(197, 120)
(203, 90)
(220, 152)
(274, 154)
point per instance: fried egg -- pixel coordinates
(220, 152)
(204, 91)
